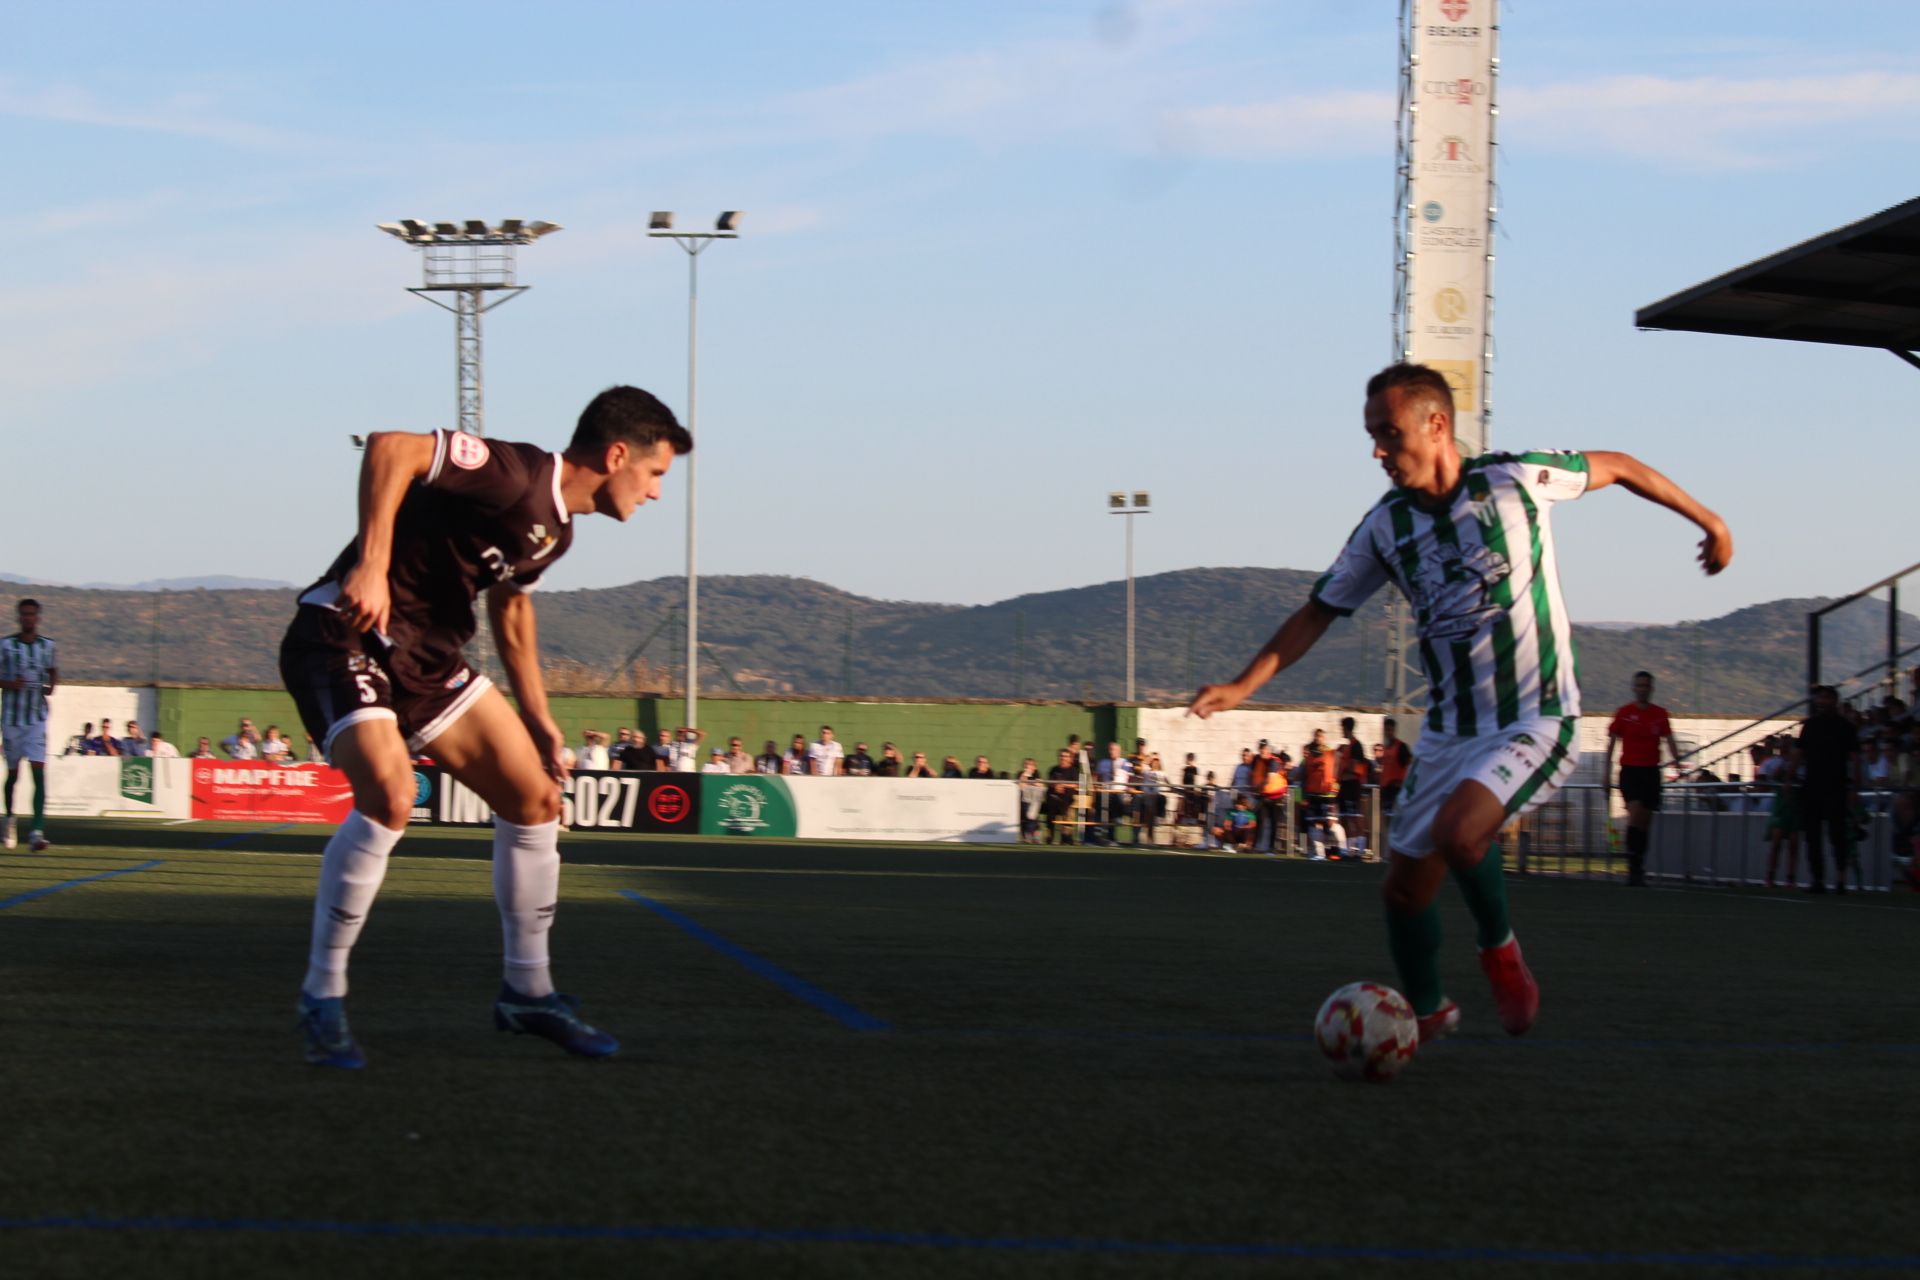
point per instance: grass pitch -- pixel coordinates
(881, 1061)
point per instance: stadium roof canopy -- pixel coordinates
(1858, 286)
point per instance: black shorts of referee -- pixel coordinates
(1640, 783)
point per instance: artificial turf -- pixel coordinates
(938, 1061)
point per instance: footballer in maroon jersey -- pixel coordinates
(374, 659)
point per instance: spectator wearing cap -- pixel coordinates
(716, 762)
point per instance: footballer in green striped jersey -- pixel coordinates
(29, 670)
(1468, 542)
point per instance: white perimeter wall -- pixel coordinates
(1217, 740)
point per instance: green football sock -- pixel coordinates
(39, 800)
(13, 775)
(1415, 943)
(1485, 889)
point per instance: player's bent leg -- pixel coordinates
(490, 751)
(374, 758)
(1463, 834)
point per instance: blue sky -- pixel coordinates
(998, 259)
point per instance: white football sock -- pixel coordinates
(1338, 835)
(350, 876)
(526, 885)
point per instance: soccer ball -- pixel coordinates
(1367, 1031)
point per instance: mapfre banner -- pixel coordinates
(254, 791)
(1455, 46)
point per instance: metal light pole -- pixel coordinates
(468, 259)
(725, 227)
(1118, 505)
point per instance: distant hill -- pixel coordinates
(778, 635)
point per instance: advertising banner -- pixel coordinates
(254, 791)
(947, 810)
(657, 803)
(1450, 139)
(116, 787)
(748, 805)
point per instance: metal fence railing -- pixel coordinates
(1706, 835)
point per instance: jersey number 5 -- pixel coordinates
(367, 692)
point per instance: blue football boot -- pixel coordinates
(323, 1020)
(556, 1018)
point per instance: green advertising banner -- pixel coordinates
(747, 805)
(136, 779)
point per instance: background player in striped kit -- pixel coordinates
(1468, 543)
(29, 669)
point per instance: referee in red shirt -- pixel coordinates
(1638, 728)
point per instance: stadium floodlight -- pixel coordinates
(469, 259)
(1117, 505)
(725, 227)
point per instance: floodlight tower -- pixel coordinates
(725, 227)
(1118, 504)
(469, 260)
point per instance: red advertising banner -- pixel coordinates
(253, 791)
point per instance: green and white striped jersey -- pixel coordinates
(1495, 640)
(28, 660)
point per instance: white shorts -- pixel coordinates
(1522, 765)
(26, 742)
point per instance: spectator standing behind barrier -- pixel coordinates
(1395, 757)
(634, 754)
(314, 754)
(794, 762)
(1243, 772)
(104, 743)
(889, 764)
(1033, 797)
(204, 751)
(738, 761)
(769, 760)
(950, 768)
(859, 764)
(1259, 769)
(686, 749)
(1321, 781)
(716, 762)
(1828, 751)
(592, 754)
(662, 749)
(919, 768)
(1638, 727)
(274, 748)
(77, 744)
(981, 768)
(826, 758)
(161, 749)
(1114, 773)
(1063, 783)
(1273, 804)
(243, 743)
(1355, 773)
(135, 742)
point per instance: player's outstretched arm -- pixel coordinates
(1605, 468)
(392, 462)
(517, 634)
(1289, 644)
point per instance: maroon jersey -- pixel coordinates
(487, 512)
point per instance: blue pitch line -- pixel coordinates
(946, 1240)
(833, 1006)
(231, 841)
(1451, 1043)
(33, 894)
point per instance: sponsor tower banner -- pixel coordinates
(1450, 139)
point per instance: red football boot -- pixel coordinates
(1442, 1022)
(1514, 989)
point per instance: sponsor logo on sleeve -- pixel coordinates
(469, 453)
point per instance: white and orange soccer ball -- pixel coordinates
(1367, 1031)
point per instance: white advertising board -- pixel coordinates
(103, 787)
(952, 810)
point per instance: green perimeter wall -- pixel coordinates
(1004, 732)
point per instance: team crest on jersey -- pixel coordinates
(543, 542)
(1454, 585)
(469, 453)
(460, 681)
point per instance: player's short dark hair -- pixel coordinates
(24, 603)
(1647, 674)
(630, 416)
(1414, 380)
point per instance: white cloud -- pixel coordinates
(1301, 124)
(186, 114)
